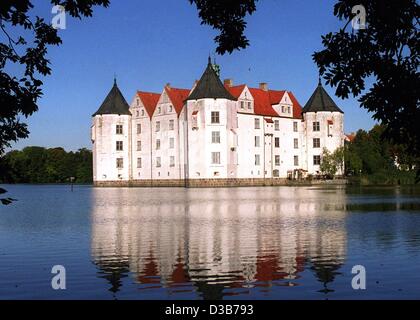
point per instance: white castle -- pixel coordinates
(214, 134)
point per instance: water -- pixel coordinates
(230, 243)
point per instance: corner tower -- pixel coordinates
(111, 139)
(323, 127)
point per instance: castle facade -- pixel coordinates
(215, 134)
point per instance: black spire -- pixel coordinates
(114, 103)
(210, 86)
(320, 101)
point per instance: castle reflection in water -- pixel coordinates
(213, 243)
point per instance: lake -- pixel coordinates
(226, 243)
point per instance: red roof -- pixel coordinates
(350, 137)
(177, 96)
(149, 100)
(262, 103)
(264, 100)
(236, 91)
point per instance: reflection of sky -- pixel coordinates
(269, 243)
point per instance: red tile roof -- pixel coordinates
(177, 96)
(149, 100)
(236, 91)
(262, 103)
(264, 100)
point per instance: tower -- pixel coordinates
(209, 129)
(111, 139)
(323, 127)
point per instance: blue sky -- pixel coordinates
(150, 43)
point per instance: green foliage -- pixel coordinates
(331, 163)
(371, 159)
(387, 52)
(40, 165)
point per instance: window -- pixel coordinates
(288, 109)
(276, 173)
(138, 163)
(159, 110)
(249, 105)
(215, 137)
(157, 128)
(142, 112)
(138, 145)
(215, 157)
(137, 113)
(171, 124)
(277, 125)
(296, 160)
(171, 143)
(257, 141)
(296, 143)
(215, 118)
(120, 163)
(119, 129)
(157, 144)
(316, 143)
(158, 162)
(277, 160)
(170, 108)
(277, 142)
(242, 105)
(119, 146)
(172, 161)
(295, 126)
(257, 159)
(257, 123)
(137, 102)
(315, 126)
(138, 128)
(317, 160)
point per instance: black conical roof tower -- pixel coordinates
(210, 86)
(320, 101)
(114, 103)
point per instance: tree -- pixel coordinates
(228, 17)
(332, 163)
(387, 51)
(40, 165)
(20, 91)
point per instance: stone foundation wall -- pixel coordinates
(213, 183)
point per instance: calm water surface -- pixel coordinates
(233, 243)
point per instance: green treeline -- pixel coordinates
(41, 165)
(372, 160)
